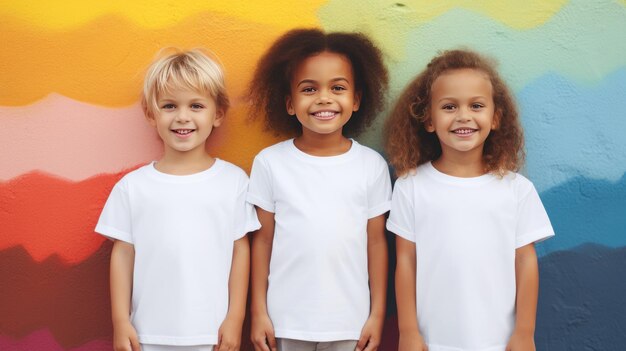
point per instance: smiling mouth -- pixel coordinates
(464, 131)
(183, 131)
(325, 115)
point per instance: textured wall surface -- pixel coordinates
(70, 127)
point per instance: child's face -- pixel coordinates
(185, 119)
(323, 94)
(462, 111)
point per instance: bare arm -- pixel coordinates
(230, 330)
(527, 290)
(406, 269)
(377, 263)
(122, 265)
(262, 328)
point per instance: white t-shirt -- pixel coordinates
(318, 281)
(466, 231)
(183, 229)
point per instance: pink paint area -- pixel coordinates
(74, 140)
(42, 340)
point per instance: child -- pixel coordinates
(319, 262)
(180, 259)
(465, 221)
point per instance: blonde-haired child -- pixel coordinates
(180, 259)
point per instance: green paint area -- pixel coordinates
(583, 41)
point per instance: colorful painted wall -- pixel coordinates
(70, 127)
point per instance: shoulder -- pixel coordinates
(276, 150)
(414, 174)
(518, 181)
(136, 175)
(230, 169)
(369, 155)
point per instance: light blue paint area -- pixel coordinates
(573, 131)
(584, 210)
(584, 41)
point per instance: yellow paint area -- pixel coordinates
(389, 22)
(513, 13)
(103, 62)
(65, 14)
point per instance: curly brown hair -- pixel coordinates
(407, 142)
(270, 84)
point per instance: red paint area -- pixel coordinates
(52, 216)
(71, 302)
(43, 340)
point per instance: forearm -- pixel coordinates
(527, 281)
(121, 278)
(377, 261)
(238, 281)
(261, 254)
(405, 286)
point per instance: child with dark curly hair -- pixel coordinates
(319, 267)
(465, 221)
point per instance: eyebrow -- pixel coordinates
(312, 81)
(455, 99)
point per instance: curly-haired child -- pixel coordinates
(465, 221)
(319, 267)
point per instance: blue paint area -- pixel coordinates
(586, 210)
(574, 131)
(581, 300)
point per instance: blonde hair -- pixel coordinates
(192, 69)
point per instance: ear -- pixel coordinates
(428, 125)
(151, 119)
(497, 117)
(219, 117)
(357, 101)
(290, 110)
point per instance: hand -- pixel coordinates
(125, 337)
(263, 333)
(229, 335)
(370, 334)
(521, 342)
(412, 342)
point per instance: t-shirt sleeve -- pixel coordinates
(533, 224)
(115, 219)
(379, 191)
(260, 191)
(245, 215)
(402, 215)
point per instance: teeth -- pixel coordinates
(183, 131)
(464, 131)
(324, 114)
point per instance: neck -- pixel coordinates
(184, 163)
(322, 144)
(465, 165)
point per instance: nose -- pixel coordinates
(463, 115)
(183, 115)
(324, 98)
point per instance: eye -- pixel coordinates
(308, 90)
(197, 106)
(168, 107)
(339, 88)
(477, 106)
(448, 107)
